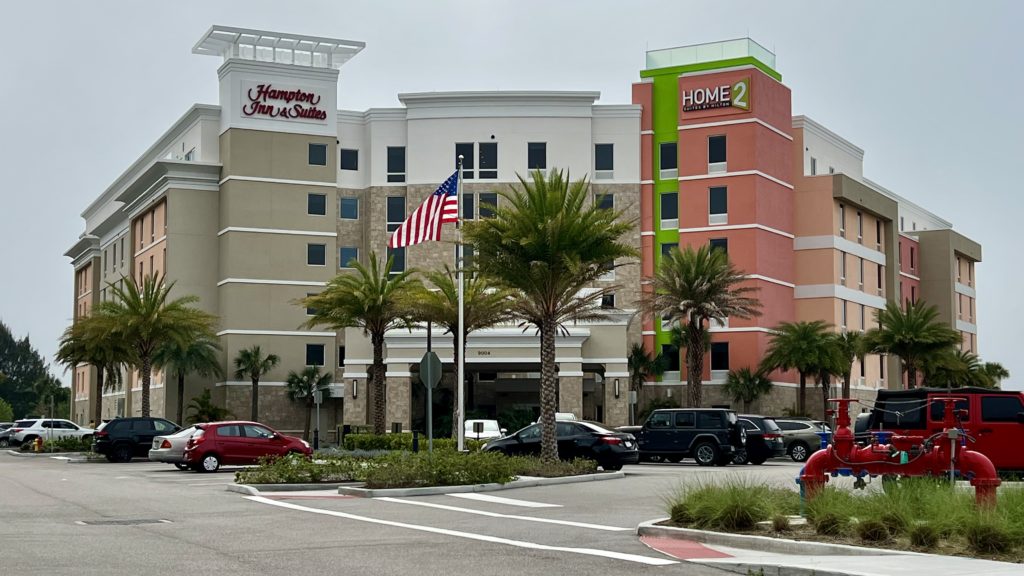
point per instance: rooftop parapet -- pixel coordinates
(278, 47)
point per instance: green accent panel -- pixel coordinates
(704, 66)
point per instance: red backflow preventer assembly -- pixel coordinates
(937, 455)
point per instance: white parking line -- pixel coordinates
(470, 536)
(500, 500)
(512, 516)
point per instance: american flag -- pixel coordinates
(425, 222)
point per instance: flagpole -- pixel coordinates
(462, 332)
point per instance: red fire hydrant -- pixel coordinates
(901, 455)
(38, 444)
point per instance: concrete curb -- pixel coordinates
(243, 489)
(433, 490)
(764, 543)
(293, 487)
(38, 454)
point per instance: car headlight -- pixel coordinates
(484, 447)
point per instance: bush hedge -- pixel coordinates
(60, 445)
(403, 441)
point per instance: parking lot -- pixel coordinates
(146, 517)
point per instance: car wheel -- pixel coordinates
(4, 443)
(209, 463)
(123, 453)
(611, 467)
(758, 461)
(740, 457)
(705, 453)
(181, 466)
(674, 459)
(110, 457)
(799, 451)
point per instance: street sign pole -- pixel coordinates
(318, 397)
(430, 375)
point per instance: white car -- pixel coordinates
(29, 429)
(489, 430)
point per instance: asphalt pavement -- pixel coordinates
(149, 518)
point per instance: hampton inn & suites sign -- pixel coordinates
(268, 101)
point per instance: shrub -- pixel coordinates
(924, 536)
(530, 466)
(680, 513)
(403, 441)
(738, 504)
(294, 469)
(894, 521)
(831, 523)
(780, 523)
(872, 530)
(441, 468)
(988, 534)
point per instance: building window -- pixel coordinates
(860, 227)
(536, 155)
(913, 258)
(488, 203)
(341, 356)
(122, 251)
(488, 160)
(668, 160)
(720, 244)
(913, 293)
(970, 274)
(314, 354)
(842, 268)
(878, 234)
(396, 163)
(863, 319)
(842, 221)
(465, 149)
(879, 279)
(468, 206)
(395, 212)
(814, 166)
(670, 210)
(349, 208)
(958, 269)
(608, 300)
(609, 271)
(604, 161)
(901, 224)
(832, 170)
(316, 254)
(860, 278)
(349, 159)
(398, 266)
(606, 201)
(317, 154)
(719, 356)
(718, 205)
(316, 204)
(842, 305)
(668, 247)
(347, 255)
(716, 154)
(310, 311)
(671, 355)
(152, 226)
(190, 155)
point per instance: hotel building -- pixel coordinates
(259, 201)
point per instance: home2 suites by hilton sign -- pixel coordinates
(266, 101)
(735, 95)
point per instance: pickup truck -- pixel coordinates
(711, 436)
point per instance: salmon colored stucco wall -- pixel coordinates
(83, 290)
(909, 286)
(149, 231)
(748, 146)
(751, 200)
(770, 100)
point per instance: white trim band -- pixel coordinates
(840, 292)
(911, 276)
(732, 122)
(277, 181)
(277, 231)
(249, 383)
(839, 243)
(736, 227)
(772, 280)
(266, 281)
(275, 333)
(964, 289)
(967, 327)
(739, 173)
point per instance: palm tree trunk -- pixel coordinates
(548, 442)
(846, 384)
(377, 391)
(99, 396)
(826, 387)
(694, 362)
(911, 375)
(181, 396)
(255, 398)
(801, 394)
(147, 367)
(309, 416)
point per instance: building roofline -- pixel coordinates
(903, 201)
(807, 124)
(416, 98)
(190, 117)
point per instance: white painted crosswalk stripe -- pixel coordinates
(510, 516)
(508, 501)
(471, 536)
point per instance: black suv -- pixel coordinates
(711, 436)
(764, 440)
(122, 439)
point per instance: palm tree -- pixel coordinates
(800, 346)
(201, 356)
(86, 341)
(546, 243)
(912, 334)
(851, 345)
(691, 288)
(147, 319)
(375, 300)
(251, 363)
(641, 366)
(205, 410)
(484, 305)
(746, 385)
(996, 372)
(305, 385)
(953, 368)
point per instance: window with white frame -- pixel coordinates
(604, 161)
(718, 205)
(348, 208)
(860, 277)
(717, 154)
(396, 163)
(348, 159)
(605, 201)
(669, 210)
(814, 166)
(395, 217)
(316, 255)
(314, 354)
(348, 256)
(842, 268)
(536, 155)
(316, 204)
(842, 306)
(860, 227)
(668, 161)
(842, 221)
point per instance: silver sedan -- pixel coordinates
(171, 448)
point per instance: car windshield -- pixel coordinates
(489, 425)
(771, 426)
(184, 432)
(595, 427)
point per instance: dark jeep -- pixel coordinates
(708, 435)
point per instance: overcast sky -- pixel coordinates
(930, 90)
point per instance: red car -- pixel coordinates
(217, 443)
